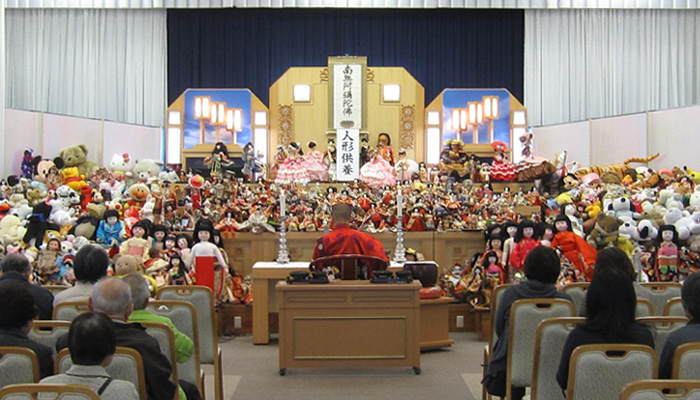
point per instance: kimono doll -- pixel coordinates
(572, 246)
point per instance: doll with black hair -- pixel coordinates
(495, 275)
(177, 271)
(204, 254)
(667, 265)
(158, 234)
(218, 161)
(184, 245)
(137, 245)
(525, 241)
(508, 229)
(169, 247)
(545, 233)
(572, 246)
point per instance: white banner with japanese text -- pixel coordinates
(347, 96)
(348, 154)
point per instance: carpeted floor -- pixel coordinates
(251, 372)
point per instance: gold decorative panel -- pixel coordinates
(407, 131)
(324, 75)
(370, 75)
(286, 129)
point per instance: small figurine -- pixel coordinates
(667, 255)
(137, 245)
(47, 261)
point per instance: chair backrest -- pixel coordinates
(202, 298)
(496, 296)
(577, 291)
(18, 365)
(653, 389)
(126, 365)
(68, 310)
(600, 371)
(166, 341)
(350, 265)
(661, 293)
(549, 342)
(662, 327)
(184, 316)
(686, 361)
(525, 315)
(48, 332)
(48, 391)
(674, 308)
(644, 308)
(54, 289)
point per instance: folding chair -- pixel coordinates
(661, 293)
(601, 371)
(674, 308)
(54, 289)
(577, 291)
(166, 341)
(61, 391)
(48, 332)
(67, 311)
(686, 361)
(525, 315)
(18, 365)
(184, 317)
(202, 298)
(549, 342)
(662, 327)
(496, 296)
(126, 365)
(644, 309)
(653, 389)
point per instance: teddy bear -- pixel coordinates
(605, 231)
(669, 198)
(121, 166)
(146, 169)
(125, 264)
(694, 202)
(76, 156)
(685, 223)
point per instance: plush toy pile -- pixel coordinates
(75, 201)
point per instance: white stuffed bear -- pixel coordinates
(146, 169)
(685, 223)
(695, 199)
(669, 198)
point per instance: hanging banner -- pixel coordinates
(347, 96)
(348, 154)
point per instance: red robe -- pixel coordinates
(344, 240)
(581, 254)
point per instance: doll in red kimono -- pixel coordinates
(581, 254)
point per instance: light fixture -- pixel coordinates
(459, 119)
(455, 119)
(260, 118)
(302, 93)
(433, 118)
(174, 118)
(201, 107)
(476, 112)
(174, 143)
(520, 118)
(491, 107)
(234, 119)
(433, 146)
(218, 114)
(391, 93)
(462, 119)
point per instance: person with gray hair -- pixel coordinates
(184, 346)
(16, 268)
(112, 297)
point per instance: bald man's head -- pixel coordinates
(341, 213)
(112, 296)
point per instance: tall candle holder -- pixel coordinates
(282, 252)
(399, 251)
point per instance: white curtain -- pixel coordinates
(104, 64)
(582, 64)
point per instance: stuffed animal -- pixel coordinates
(28, 163)
(693, 174)
(605, 231)
(121, 166)
(138, 194)
(684, 223)
(146, 169)
(622, 208)
(72, 178)
(38, 223)
(11, 230)
(85, 226)
(76, 156)
(47, 174)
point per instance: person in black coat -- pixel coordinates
(16, 268)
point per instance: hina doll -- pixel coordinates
(576, 250)
(313, 162)
(378, 172)
(667, 255)
(204, 254)
(524, 243)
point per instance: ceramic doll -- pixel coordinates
(292, 169)
(545, 233)
(47, 261)
(178, 271)
(169, 247)
(405, 168)
(378, 172)
(569, 209)
(137, 246)
(576, 250)
(184, 244)
(204, 254)
(158, 234)
(495, 244)
(667, 255)
(510, 228)
(109, 229)
(494, 272)
(524, 243)
(313, 162)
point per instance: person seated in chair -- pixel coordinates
(16, 268)
(542, 270)
(345, 240)
(92, 341)
(690, 298)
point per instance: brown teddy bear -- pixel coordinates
(76, 156)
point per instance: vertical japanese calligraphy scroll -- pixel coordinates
(347, 154)
(347, 92)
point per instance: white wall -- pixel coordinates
(676, 135)
(575, 138)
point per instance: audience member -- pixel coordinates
(139, 297)
(542, 270)
(614, 257)
(90, 266)
(92, 342)
(16, 268)
(112, 297)
(345, 240)
(690, 298)
(610, 309)
(19, 310)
